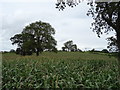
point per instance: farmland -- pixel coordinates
(59, 70)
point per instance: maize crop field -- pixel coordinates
(59, 70)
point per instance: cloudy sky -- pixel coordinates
(70, 24)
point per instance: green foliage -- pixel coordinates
(35, 37)
(69, 46)
(61, 70)
(105, 51)
(61, 4)
(112, 44)
(12, 51)
(106, 16)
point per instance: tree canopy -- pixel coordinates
(69, 46)
(35, 37)
(61, 4)
(106, 16)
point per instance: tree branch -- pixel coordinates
(109, 22)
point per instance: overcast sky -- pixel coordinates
(70, 24)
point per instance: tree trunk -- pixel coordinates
(37, 52)
(118, 39)
(38, 49)
(119, 66)
(118, 43)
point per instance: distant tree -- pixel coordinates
(36, 37)
(79, 50)
(63, 49)
(12, 51)
(69, 46)
(74, 48)
(5, 52)
(93, 50)
(105, 51)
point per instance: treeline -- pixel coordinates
(38, 37)
(72, 48)
(65, 50)
(68, 46)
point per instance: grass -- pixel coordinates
(61, 70)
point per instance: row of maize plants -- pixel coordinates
(61, 70)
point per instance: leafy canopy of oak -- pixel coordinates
(36, 37)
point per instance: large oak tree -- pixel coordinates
(106, 16)
(36, 37)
